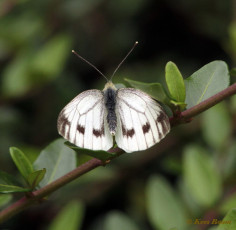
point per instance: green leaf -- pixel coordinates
(193, 207)
(33, 68)
(175, 82)
(22, 162)
(228, 204)
(69, 218)
(163, 206)
(229, 221)
(213, 228)
(206, 82)
(214, 121)
(101, 155)
(57, 49)
(233, 72)
(15, 77)
(120, 85)
(229, 161)
(5, 199)
(230, 45)
(35, 177)
(32, 23)
(12, 189)
(57, 159)
(8, 179)
(8, 184)
(155, 90)
(31, 152)
(233, 104)
(116, 221)
(181, 105)
(201, 177)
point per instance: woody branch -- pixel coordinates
(38, 195)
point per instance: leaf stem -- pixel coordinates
(38, 195)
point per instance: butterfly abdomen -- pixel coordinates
(110, 103)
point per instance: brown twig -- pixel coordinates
(38, 195)
(188, 114)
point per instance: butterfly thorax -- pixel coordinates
(110, 103)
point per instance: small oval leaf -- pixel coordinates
(163, 206)
(201, 177)
(21, 161)
(99, 154)
(175, 82)
(8, 179)
(229, 221)
(56, 49)
(35, 177)
(15, 77)
(227, 204)
(206, 82)
(57, 159)
(155, 90)
(8, 184)
(70, 217)
(117, 220)
(12, 189)
(214, 121)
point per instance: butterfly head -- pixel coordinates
(110, 85)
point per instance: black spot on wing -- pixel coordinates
(161, 117)
(146, 128)
(127, 132)
(130, 132)
(162, 120)
(123, 129)
(62, 123)
(98, 133)
(167, 125)
(164, 127)
(80, 129)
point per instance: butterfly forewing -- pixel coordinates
(82, 121)
(141, 120)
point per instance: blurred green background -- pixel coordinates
(39, 75)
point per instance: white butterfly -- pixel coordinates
(132, 117)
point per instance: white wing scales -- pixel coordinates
(141, 120)
(82, 121)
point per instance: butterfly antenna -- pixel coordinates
(83, 59)
(136, 43)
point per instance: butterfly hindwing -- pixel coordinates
(82, 121)
(141, 120)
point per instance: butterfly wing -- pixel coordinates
(82, 121)
(141, 121)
